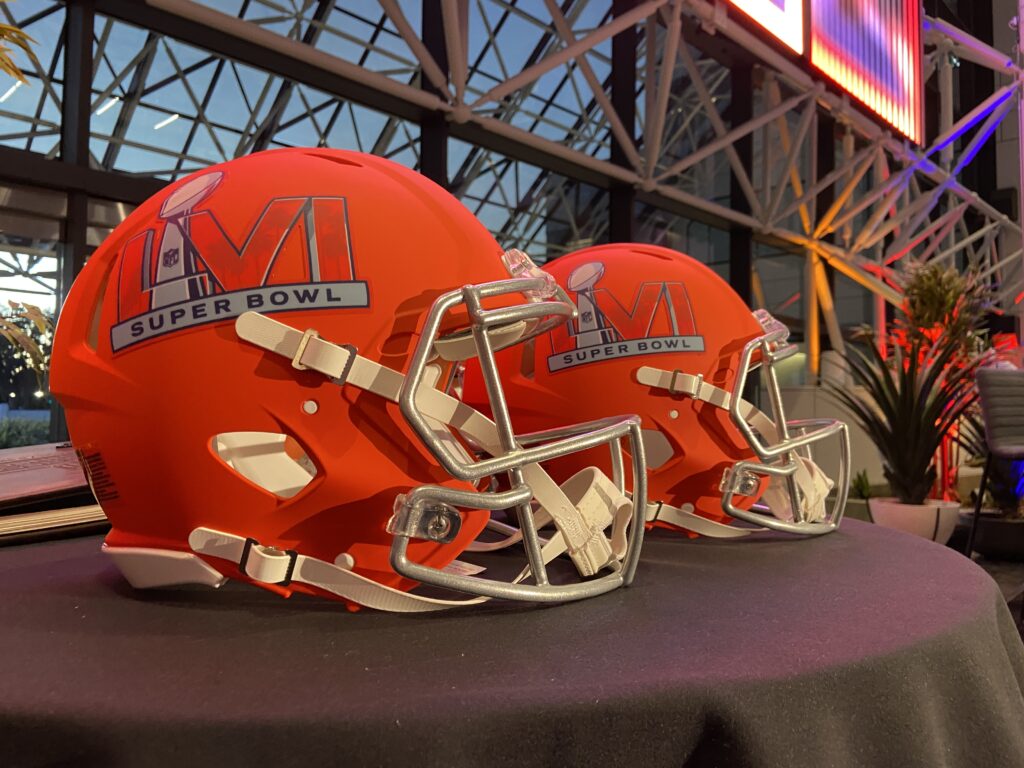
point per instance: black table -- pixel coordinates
(863, 648)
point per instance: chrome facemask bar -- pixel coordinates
(795, 438)
(429, 511)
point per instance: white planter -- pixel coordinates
(935, 519)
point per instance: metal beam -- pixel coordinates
(433, 125)
(247, 43)
(631, 17)
(30, 168)
(75, 112)
(741, 254)
(74, 140)
(131, 101)
(622, 197)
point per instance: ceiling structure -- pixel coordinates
(559, 124)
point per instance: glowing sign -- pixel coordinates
(783, 18)
(872, 49)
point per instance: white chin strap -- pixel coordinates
(813, 484)
(274, 566)
(686, 518)
(582, 509)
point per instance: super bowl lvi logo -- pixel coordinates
(188, 270)
(657, 318)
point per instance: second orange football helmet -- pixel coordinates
(661, 335)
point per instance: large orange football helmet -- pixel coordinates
(661, 335)
(254, 368)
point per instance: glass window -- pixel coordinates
(358, 31)
(30, 234)
(559, 105)
(30, 112)
(527, 207)
(779, 286)
(703, 242)
(685, 126)
(855, 304)
(163, 108)
(502, 39)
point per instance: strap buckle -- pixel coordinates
(269, 558)
(650, 517)
(675, 388)
(308, 334)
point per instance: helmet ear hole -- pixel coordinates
(270, 460)
(657, 448)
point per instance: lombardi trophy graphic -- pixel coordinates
(175, 272)
(591, 330)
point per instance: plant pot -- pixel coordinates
(935, 519)
(999, 538)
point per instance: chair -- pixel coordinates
(1001, 393)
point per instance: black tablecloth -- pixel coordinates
(862, 648)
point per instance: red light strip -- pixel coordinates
(872, 49)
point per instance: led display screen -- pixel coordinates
(872, 49)
(783, 18)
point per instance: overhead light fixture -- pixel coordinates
(38, 393)
(10, 91)
(110, 102)
(168, 121)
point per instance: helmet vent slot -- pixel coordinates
(273, 461)
(335, 159)
(93, 337)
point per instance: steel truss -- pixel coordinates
(891, 201)
(38, 127)
(550, 106)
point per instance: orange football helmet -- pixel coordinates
(254, 369)
(661, 335)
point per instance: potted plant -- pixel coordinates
(939, 299)
(911, 400)
(907, 404)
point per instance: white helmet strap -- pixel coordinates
(813, 485)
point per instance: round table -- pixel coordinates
(866, 647)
